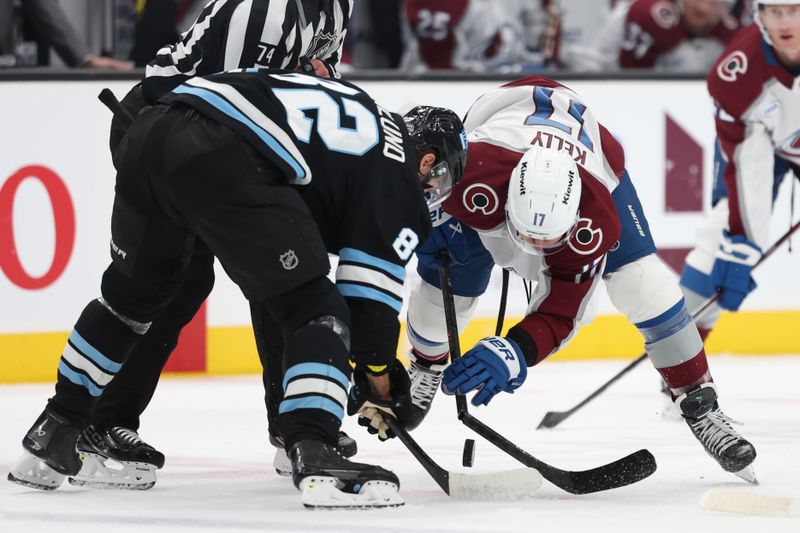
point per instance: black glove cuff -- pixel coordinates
(525, 343)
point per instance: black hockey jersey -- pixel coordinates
(356, 168)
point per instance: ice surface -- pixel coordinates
(218, 475)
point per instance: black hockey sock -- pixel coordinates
(94, 353)
(315, 386)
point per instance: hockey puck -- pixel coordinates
(469, 453)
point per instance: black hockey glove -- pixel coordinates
(371, 410)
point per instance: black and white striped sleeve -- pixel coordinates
(213, 43)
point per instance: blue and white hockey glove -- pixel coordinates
(447, 236)
(736, 257)
(494, 365)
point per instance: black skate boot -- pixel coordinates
(50, 452)
(328, 480)
(426, 376)
(714, 431)
(104, 450)
(346, 445)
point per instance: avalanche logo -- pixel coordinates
(664, 14)
(730, 68)
(480, 197)
(586, 240)
(790, 146)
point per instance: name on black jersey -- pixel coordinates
(393, 138)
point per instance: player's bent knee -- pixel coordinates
(311, 301)
(643, 289)
(427, 329)
(141, 301)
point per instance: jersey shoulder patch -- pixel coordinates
(479, 200)
(738, 76)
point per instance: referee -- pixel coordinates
(305, 35)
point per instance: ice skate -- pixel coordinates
(426, 376)
(116, 458)
(669, 410)
(50, 453)
(346, 445)
(714, 431)
(329, 481)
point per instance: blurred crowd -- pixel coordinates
(501, 36)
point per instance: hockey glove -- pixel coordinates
(371, 410)
(730, 274)
(494, 365)
(447, 236)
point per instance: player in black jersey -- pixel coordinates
(273, 171)
(302, 35)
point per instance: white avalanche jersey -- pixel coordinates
(503, 124)
(757, 119)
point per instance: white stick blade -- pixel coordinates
(506, 485)
(745, 502)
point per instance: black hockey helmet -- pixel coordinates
(439, 130)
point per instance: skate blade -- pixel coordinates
(30, 471)
(99, 472)
(281, 463)
(321, 492)
(748, 474)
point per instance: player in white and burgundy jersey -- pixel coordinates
(481, 35)
(667, 35)
(755, 89)
(546, 194)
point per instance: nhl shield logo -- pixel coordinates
(289, 260)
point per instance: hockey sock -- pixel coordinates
(315, 386)
(94, 353)
(676, 349)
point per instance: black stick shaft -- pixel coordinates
(451, 319)
(119, 111)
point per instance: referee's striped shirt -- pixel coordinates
(231, 34)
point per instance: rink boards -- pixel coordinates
(56, 190)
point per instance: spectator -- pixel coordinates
(375, 39)
(667, 35)
(481, 35)
(581, 22)
(29, 27)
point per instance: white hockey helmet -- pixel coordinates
(543, 197)
(757, 16)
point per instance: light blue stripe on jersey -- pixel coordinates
(316, 369)
(312, 402)
(93, 354)
(359, 291)
(224, 106)
(79, 379)
(357, 256)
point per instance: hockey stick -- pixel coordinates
(111, 102)
(553, 418)
(497, 485)
(625, 471)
